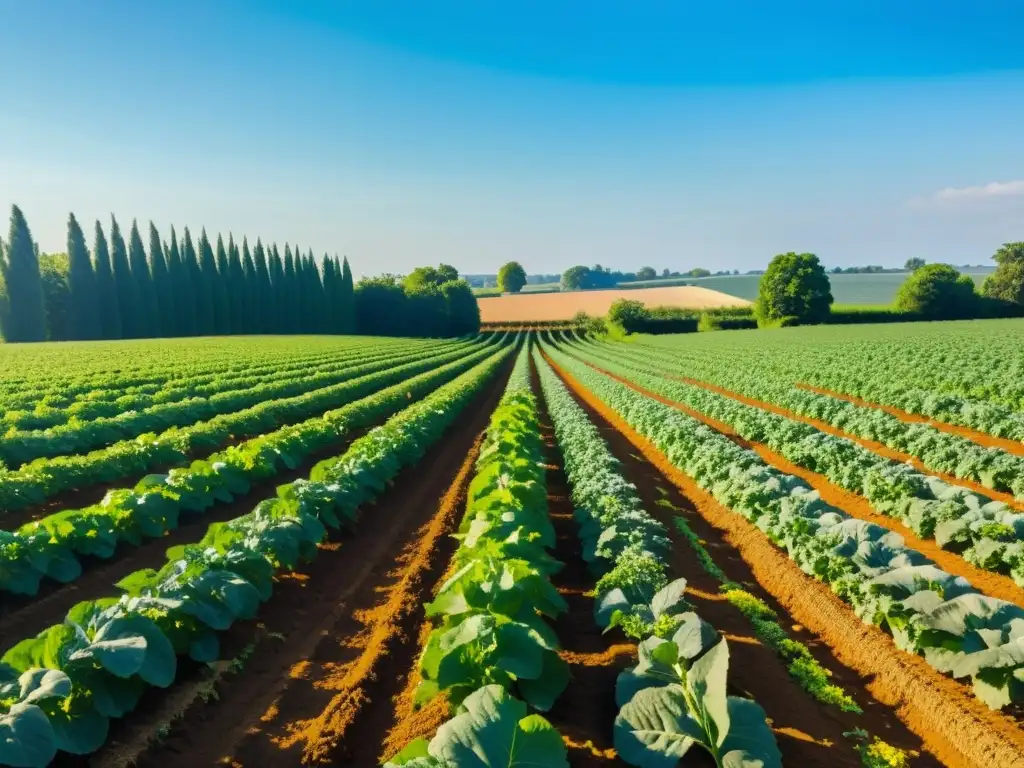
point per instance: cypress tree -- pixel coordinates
(194, 322)
(206, 320)
(305, 293)
(250, 281)
(264, 291)
(85, 310)
(127, 291)
(24, 317)
(163, 287)
(222, 311)
(181, 290)
(106, 288)
(277, 296)
(320, 321)
(330, 297)
(348, 298)
(148, 314)
(237, 289)
(288, 297)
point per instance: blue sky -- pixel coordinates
(675, 134)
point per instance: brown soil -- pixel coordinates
(954, 726)
(988, 582)
(981, 438)
(585, 712)
(809, 733)
(322, 620)
(23, 616)
(538, 307)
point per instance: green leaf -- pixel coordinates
(41, 684)
(706, 680)
(27, 739)
(750, 742)
(654, 729)
(669, 599)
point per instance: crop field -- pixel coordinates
(800, 547)
(542, 307)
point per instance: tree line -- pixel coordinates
(124, 289)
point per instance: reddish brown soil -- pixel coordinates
(585, 712)
(988, 582)
(981, 438)
(319, 623)
(22, 617)
(954, 726)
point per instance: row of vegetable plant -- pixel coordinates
(38, 480)
(676, 696)
(926, 610)
(51, 547)
(59, 690)
(989, 534)
(105, 403)
(18, 447)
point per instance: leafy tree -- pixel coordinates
(380, 306)
(699, 272)
(628, 314)
(84, 310)
(24, 318)
(1007, 282)
(222, 311)
(938, 292)
(148, 310)
(511, 277)
(106, 289)
(207, 319)
(163, 285)
(912, 265)
(53, 271)
(575, 278)
(646, 273)
(127, 290)
(795, 287)
(348, 299)
(195, 303)
(463, 310)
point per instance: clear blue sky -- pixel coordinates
(677, 133)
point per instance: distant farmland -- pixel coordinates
(542, 307)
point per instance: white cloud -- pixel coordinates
(992, 189)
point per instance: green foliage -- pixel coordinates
(511, 277)
(222, 294)
(795, 285)
(148, 311)
(938, 292)
(84, 310)
(206, 280)
(24, 315)
(1007, 282)
(53, 270)
(125, 284)
(914, 264)
(106, 288)
(422, 277)
(628, 314)
(875, 753)
(646, 273)
(163, 284)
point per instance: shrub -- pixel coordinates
(794, 290)
(938, 292)
(511, 277)
(1007, 282)
(628, 314)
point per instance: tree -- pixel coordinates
(699, 272)
(195, 304)
(206, 315)
(511, 277)
(238, 289)
(646, 273)
(184, 288)
(163, 285)
(83, 310)
(380, 305)
(794, 287)
(127, 290)
(106, 289)
(252, 290)
(148, 315)
(53, 271)
(348, 299)
(24, 318)
(1007, 282)
(222, 312)
(628, 314)
(938, 292)
(914, 264)
(288, 296)
(575, 278)
(264, 291)
(278, 292)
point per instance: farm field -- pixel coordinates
(544, 307)
(799, 547)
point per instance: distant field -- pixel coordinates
(536, 288)
(562, 306)
(846, 289)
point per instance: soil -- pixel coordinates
(974, 435)
(327, 651)
(987, 582)
(538, 307)
(942, 715)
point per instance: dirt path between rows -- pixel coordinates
(952, 725)
(975, 436)
(585, 712)
(322, 647)
(809, 733)
(987, 582)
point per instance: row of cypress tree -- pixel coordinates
(188, 288)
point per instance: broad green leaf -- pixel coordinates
(706, 680)
(27, 739)
(654, 729)
(750, 742)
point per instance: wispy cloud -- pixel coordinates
(992, 189)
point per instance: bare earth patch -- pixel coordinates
(562, 306)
